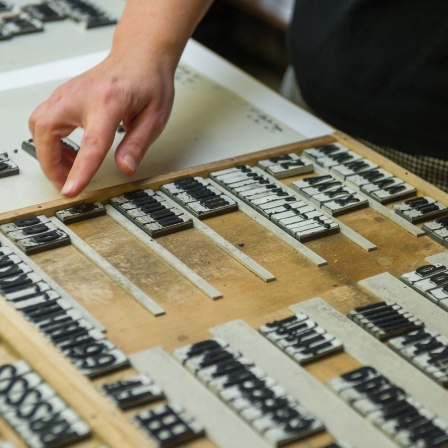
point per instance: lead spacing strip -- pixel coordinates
(437, 230)
(259, 191)
(198, 196)
(227, 247)
(246, 389)
(286, 165)
(150, 211)
(180, 386)
(285, 237)
(34, 410)
(167, 256)
(114, 274)
(380, 178)
(431, 281)
(343, 422)
(420, 209)
(7, 167)
(392, 409)
(53, 316)
(384, 320)
(370, 351)
(34, 234)
(301, 338)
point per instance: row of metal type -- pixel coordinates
(15, 21)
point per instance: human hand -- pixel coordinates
(120, 89)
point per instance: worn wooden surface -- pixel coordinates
(189, 313)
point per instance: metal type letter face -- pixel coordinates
(248, 391)
(34, 410)
(132, 392)
(301, 338)
(420, 209)
(287, 165)
(169, 425)
(385, 320)
(35, 234)
(151, 212)
(86, 13)
(200, 197)
(7, 167)
(81, 212)
(21, 23)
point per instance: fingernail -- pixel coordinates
(130, 163)
(68, 187)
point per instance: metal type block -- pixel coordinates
(420, 209)
(365, 389)
(438, 295)
(384, 320)
(96, 358)
(370, 179)
(26, 291)
(435, 281)
(345, 204)
(337, 159)
(132, 392)
(423, 272)
(24, 414)
(223, 368)
(353, 378)
(284, 326)
(401, 343)
(287, 165)
(14, 270)
(20, 23)
(86, 13)
(44, 12)
(325, 150)
(329, 194)
(169, 425)
(7, 167)
(19, 283)
(31, 231)
(54, 431)
(236, 169)
(81, 212)
(238, 395)
(23, 223)
(211, 358)
(187, 352)
(43, 242)
(353, 168)
(393, 192)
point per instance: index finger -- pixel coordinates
(47, 130)
(98, 137)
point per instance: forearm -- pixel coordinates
(157, 30)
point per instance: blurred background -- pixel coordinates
(250, 34)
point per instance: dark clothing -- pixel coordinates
(376, 69)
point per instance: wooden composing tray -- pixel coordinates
(225, 277)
